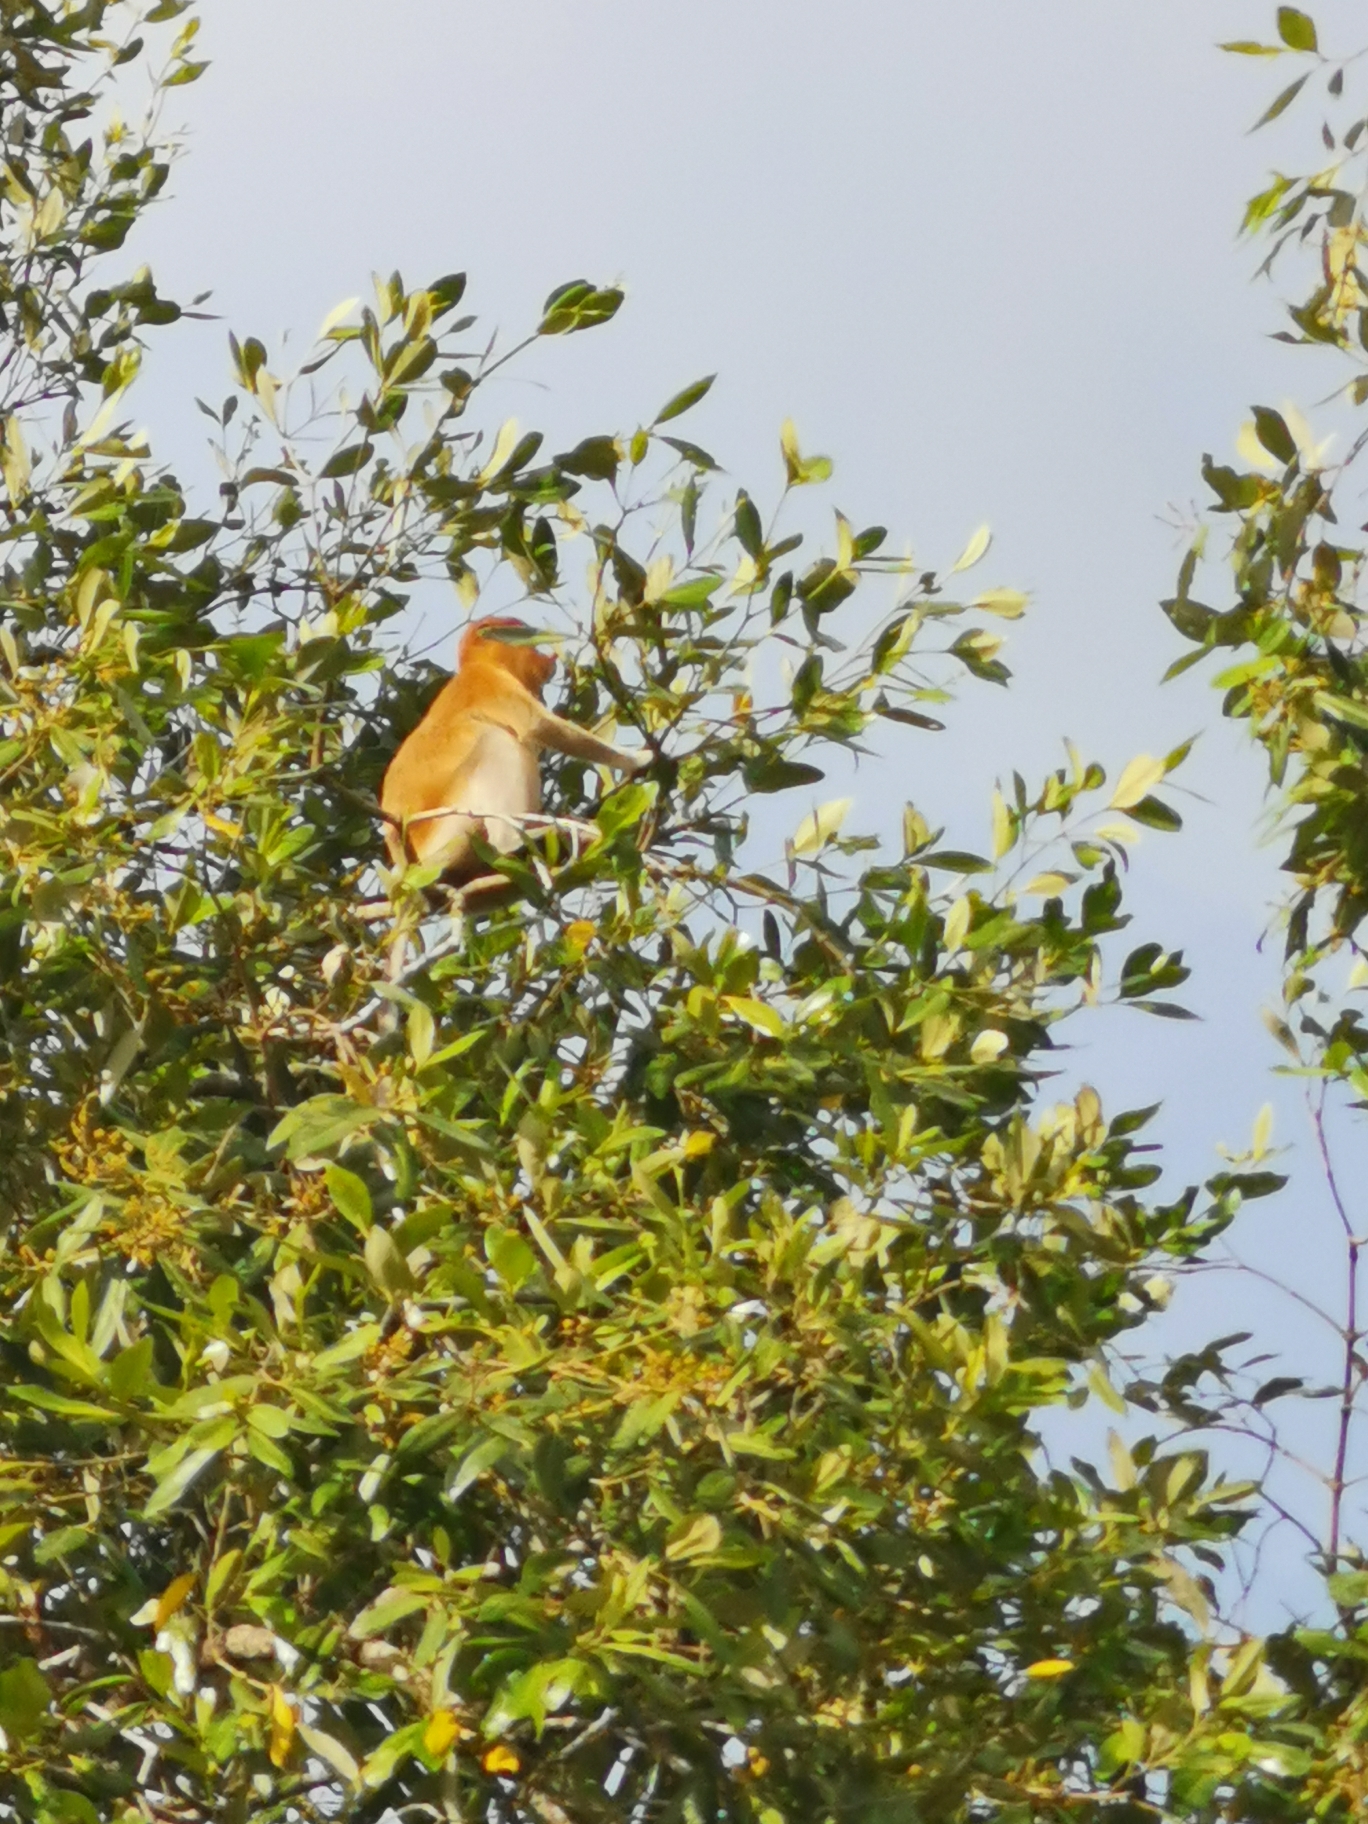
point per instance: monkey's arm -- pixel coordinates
(569, 738)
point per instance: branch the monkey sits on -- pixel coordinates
(476, 753)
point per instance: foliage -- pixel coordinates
(587, 1361)
(1297, 677)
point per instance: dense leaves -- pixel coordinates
(1297, 676)
(582, 1361)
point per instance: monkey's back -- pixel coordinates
(473, 753)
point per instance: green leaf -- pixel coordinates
(690, 452)
(643, 1419)
(446, 293)
(1273, 434)
(64, 1406)
(177, 1482)
(1154, 812)
(57, 1547)
(350, 1196)
(682, 401)
(577, 306)
(1297, 29)
(1281, 103)
(768, 772)
(693, 593)
(765, 1019)
(347, 461)
(821, 826)
(911, 718)
(410, 361)
(131, 1369)
(532, 1695)
(222, 1575)
(429, 1433)
(695, 1537)
(596, 457)
(1349, 1588)
(748, 528)
(1278, 1388)
(387, 1266)
(474, 1464)
(390, 1607)
(319, 1125)
(24, 1699)
(1341, 709)
(955, 861)
(358, 1342)
(1248, 1184)
(270, 1421)
(624, 808)
(510, 1256)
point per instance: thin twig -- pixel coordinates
(48, 1624)
(1349, 1384)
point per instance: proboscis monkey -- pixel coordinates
(476, 753)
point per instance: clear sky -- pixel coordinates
(984, 254)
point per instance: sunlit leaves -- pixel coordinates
(1137, 779)
(1007, 604)
(800, 470)
(820, 826)
(974, 551)
(14, 462)
(476, 1336)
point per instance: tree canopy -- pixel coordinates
(585, 1360)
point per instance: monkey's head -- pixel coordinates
(501, 639)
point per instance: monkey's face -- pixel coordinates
(541, 668)
(506, 641)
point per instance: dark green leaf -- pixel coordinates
(596, 457)
(913, 718)
(447, 293)
(576, 306)
(691, 452)
(772, 773)
(1273, 434)
(347, 461)
(748, 528)
(955, 861)
(1154, 812)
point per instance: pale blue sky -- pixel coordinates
(983, 254)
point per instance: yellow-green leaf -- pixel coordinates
(1137, 781)
(694, 1537)
(1007, 604)
(973, 551)
(758, 1014)
(818, 828)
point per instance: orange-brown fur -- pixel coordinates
(476, 753)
